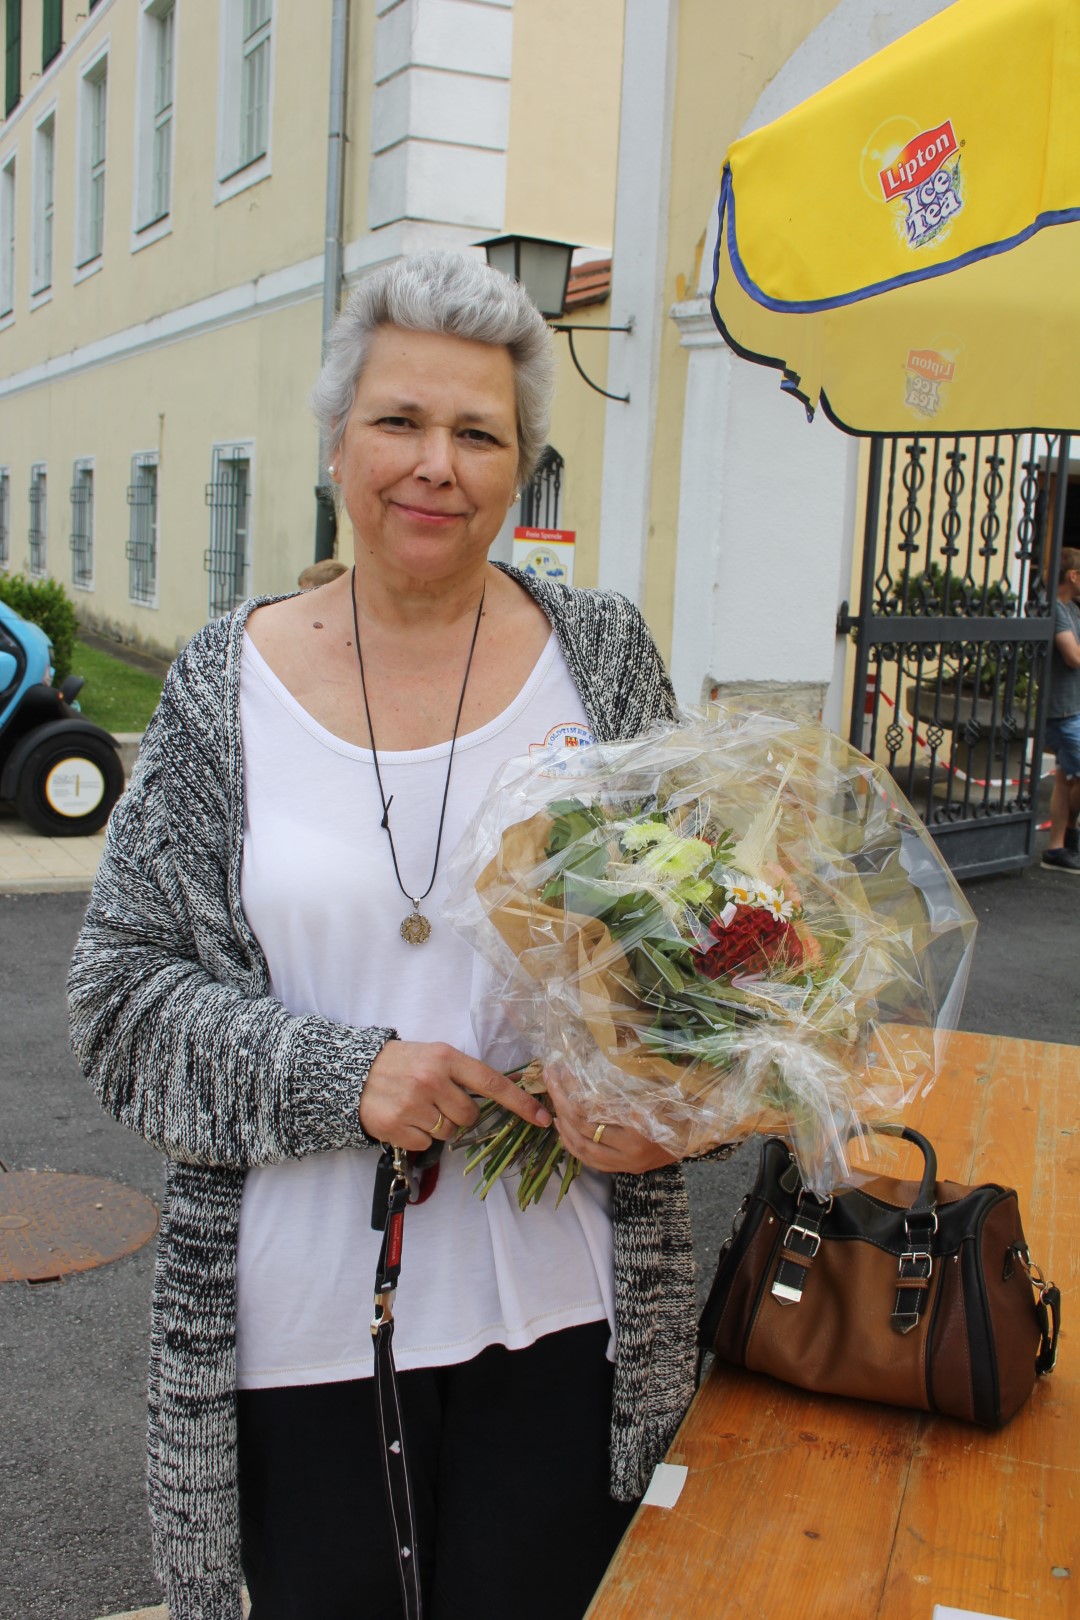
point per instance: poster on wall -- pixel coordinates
(547, 553)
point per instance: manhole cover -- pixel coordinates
(52, 1224)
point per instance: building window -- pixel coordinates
(142, 546)
(82, 526)
(44, 202)
(228, 559)
(7, 238)
(90, 223)
(12, 56)
(255, 81)
(5, 518)
(246, 79)
(52, 28)
(155, 145)
(38, 531)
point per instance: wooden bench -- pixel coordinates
(798, 1507)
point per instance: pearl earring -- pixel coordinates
(331, 469)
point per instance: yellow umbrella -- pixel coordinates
(905, 245)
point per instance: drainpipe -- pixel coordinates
(326, 512)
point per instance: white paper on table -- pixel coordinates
(666, 1485)
(943, 1613)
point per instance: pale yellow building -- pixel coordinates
(165, 174)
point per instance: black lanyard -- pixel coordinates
(388, 1217)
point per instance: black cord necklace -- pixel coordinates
(416, 928)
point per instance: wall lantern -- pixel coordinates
(543, 269)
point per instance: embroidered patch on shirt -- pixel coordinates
(567, 735)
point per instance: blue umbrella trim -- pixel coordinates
(812, 306)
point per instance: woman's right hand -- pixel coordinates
(412, 1083)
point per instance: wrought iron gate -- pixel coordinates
(954, 630)
(541, 502)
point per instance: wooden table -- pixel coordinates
(799, 1507)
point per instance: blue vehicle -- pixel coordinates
(61, 772)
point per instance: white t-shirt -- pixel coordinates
(318, 889)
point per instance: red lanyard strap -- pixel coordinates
(388, 1217)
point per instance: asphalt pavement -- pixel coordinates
(73, 1538)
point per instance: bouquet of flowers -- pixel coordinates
(729, 925)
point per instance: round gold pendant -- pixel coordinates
(416, 928)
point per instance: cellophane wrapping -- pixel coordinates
(732, 924)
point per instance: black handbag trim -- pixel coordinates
(757, 1206)
(984, 1371)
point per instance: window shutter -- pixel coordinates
(52, 27)
(12, 53)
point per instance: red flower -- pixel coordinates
(754, 942)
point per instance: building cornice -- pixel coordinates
(266, 295)
(279, 289)
(697, 329)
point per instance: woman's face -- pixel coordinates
(428, 462)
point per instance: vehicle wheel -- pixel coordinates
(68, 787)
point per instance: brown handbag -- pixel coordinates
(916, 1294)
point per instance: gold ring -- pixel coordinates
(598, 1133)
(438, 1125)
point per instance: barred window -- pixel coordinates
(228, 558)
(541, 499)
(142, 546)
(82, 526)
(5, 518)
(37, 533)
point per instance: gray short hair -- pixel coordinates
(455, 295)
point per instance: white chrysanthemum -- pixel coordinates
(739, 887)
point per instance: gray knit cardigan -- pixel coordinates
(173, 1025)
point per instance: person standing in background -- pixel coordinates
(1062, 854)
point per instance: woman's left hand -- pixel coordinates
(620, 1150)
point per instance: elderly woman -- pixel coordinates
(264, 989)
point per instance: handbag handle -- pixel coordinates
(924, 1199)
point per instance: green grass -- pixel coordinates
(116, 695)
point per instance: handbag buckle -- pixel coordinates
(799, 1249)
(804, 1232)
(911, 1288)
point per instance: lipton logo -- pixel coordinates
(929, 363)
(922, 157)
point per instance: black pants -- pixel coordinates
(508, 1455)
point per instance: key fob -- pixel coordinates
(380, 1198)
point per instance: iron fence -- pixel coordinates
(954, 631)
(541, 499)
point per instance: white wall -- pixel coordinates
(768, 501)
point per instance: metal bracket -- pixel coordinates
(559, 326)
(846, 621)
